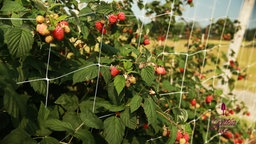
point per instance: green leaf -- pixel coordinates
(128, 119)
(38, 86)
(12, 6)
(88, 73)
(16, 23)
(14, 103)
(68, 102)
(19, 41)
(128, 65)
(119, 83)
(18, 136)
(58, 125)
(218, 92)
(72, 118)
(106, 74)
(109, 50)
(112, 94)
(49, 140)
(42, 116)
(91, 120)
(173, 134)
(85, 136)
(113, 130)
(104, 8)
(181, 115)
(110, 107)
(150, 110)
(135, 103)
(147, 74)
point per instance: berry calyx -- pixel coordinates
(121, 16)
(112, 18)
(58, 33)
(160, 70)
(39, 19)
(193, 102)
(209, 99)
(114, 71)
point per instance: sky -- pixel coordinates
(205, 9)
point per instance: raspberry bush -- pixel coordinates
(107, 80)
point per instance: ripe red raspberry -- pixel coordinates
(182, 70)
(240, 77)
(190, 1)
(58, 33)
(209, 99)
(112, 18)
(186, 136)
(121, 16)
(160, 70)
(114, 71)
(228, 134)
(99, 25)
(63, 23)
(145, 126)
(193, 102)
(146, 42)
(179, 136)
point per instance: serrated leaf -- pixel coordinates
(18, 136)
(16, 23)
(135, 103)
(147, 75)
(110, 107)
(128, 119)
(19, 41)
(49, 140)
(106, 74)
(68, 102)
(104, 8)
(91, 120)
(113, 130)
(112, 94)
(12, 6)
(38, 86)
(119, 83)
(128, 65)
(14, 103)
(88, 73)
(72, 118)
(84, 31)
(150, 110)
(173, 134)
(85, 136)
(109, 50)
(58, 125)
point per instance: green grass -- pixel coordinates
(246, 59)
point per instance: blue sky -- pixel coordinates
(205, 8)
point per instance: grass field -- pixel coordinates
(246, 59)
